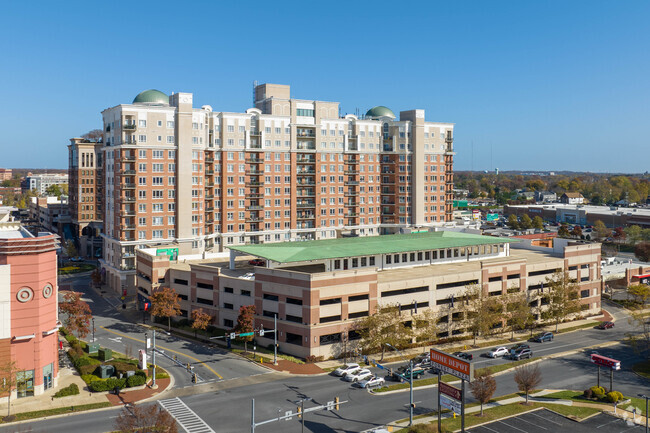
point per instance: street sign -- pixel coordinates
(450, 403)
(450, 391)
(492, 217)
(246, 334)
(233, 335)
(452, 364)
(603, 361)
(261, 333)
(379, 366)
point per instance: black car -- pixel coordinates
(521, 354)
(464, 355)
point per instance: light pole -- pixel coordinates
(410, 380)
(646, 410)
(93, 329)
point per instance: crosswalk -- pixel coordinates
(184, 416)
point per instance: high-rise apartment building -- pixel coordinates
(85, 198)
(41, 182)
(287, 169)
(6, 174)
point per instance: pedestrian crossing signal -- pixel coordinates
(336, 403)
(299, 412)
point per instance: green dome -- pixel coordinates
(380, 111)
(151, 96)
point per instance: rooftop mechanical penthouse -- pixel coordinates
(318, 288)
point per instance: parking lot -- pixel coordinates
(546, 421)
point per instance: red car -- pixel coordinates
(606, 325)
(257, 262)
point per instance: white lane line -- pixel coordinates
(531, 423)
(545, 419)
(512, 426)
(184, 416)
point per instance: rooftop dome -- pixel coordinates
(151, 96)
(380, 111)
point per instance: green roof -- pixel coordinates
(288, 252)
(151, 96)
(380, 111)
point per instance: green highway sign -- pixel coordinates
(492, 216)
(246, 334)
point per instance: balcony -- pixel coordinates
(388, 148)
(128, 227)
(209, 160)
(209, 196)
(387, 202)
(128, 186)
(351, 182)
(351, 172)
(209, 172)
(305, 133)
(209, 222)
(306, 193)
(254, 207)
(128, 199)
(305, 216)
(351, 161)
(449, 139)
(255, 183)
(306, 172)
(209, 209)
(129, 126)
(128, 172)
(387, 161)
(254, 172)
(255, 146)
(351, 215)
(254, 219)
(306, 204)
(306, 183)
(127, 213)
(255, 132)
(351, 193)
(387, 213)
(128, 158)
(305, 160)
(209, 184)
(254, 160)
(254, 195)
(306, 146)
(351, 204)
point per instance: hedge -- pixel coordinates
(135, 380)
(107, 384)
(71, 389)
(88, 378)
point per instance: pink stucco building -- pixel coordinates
(28, 307)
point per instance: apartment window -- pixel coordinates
(170, 139)
(157, 234)
(157, 194)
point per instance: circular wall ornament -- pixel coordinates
(48, 290)
(25, 294)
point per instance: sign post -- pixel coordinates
(609, 363)
(462, 369)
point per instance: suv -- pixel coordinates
(517, 347)
(422, 361)
(521, 354)
(545, 336)
(403, 373)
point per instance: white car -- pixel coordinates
(357, 375)
(371, 382)
(342, 371)
(498, 351)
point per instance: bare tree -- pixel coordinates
(528, 377)
(483, 386)
(145, 419)
(8, 382)
(93, 135)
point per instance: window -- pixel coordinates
(270, 297)
(180, 281)
(294, 301)
(330, 301)
(304, 112)
(357, 298)
(205, 286)
(245, 292)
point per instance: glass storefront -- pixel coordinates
(25, 383)
(47, 376)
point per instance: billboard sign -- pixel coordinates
(492, 217)
(476, 215)
(452, 364)
(450, 403)
(603, 361)
(450, 391)
(172, 253)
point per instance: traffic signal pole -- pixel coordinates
(153, 360)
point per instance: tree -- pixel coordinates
(96, 277)
(518, 313)
(563, 231)
(513, 222)
(482, 312)
(8, 382)
(642, 251)
(633, 233)
(528, 377)
(526, 222)
(602, 232)
(383, 327)
(200, 320)
(426, 325)
(165, 303)
(563, 299)
(77, 314)
(640, 293)
(55, 190)
(538, 222)
(93, 135)
(246, 323)
(483, 386)
(640, 337)
(70, 249)
(619, 234)
(145, 419)
(576, 232)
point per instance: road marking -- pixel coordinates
(531, 423)
(545, 419)
(607, 423)
(166, 349)
(184, 416)
(512, 426)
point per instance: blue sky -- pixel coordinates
(544, 85)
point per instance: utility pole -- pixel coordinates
(93, 329)
(275, 339)
(153, 360)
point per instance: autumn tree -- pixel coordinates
(526, 222)
(145, 419)
(528, 377)
(165, 303)
(96, 277)
(538, 222)
(518, 313)
(639, 338)
(640, 293)
(8, 382)
(513, 222)
(563, 300)
(619, 234)
(483, 386)
(426, 325)
(576, 232)
(246, 323)
(200, 320)
(602, 232)
(563, 231)
(633, 234)
(77, 314)
(642, 251)
(383, 327)
(482, 312)
(70, 249)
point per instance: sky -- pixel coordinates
(530, 85)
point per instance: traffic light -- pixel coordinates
(336, 403)
(299, 412)
(147, 305)
(413, 405)
(194, 378)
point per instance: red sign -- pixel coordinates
(449, 390)
(451, 364)
(603, 361)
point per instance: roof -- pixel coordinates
(151, 96)
(573, 195)
(289, 252)
(380, 111)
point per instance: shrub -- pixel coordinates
(588, 393)
(87, 369)
(72, 389)
(313, 358)
(88, 378)
(121, 367)
(423, 428)
(141, 373)
(598, 392)
(107, 384)
(135, 380)
(72, 340)
(614, 396)
(182, 322)
(84, 361)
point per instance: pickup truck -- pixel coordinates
(403, 373)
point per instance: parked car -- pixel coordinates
(521, 354)
(404, 373)
(257, 262)
(422, 360)
(605, 325)
(371, 382)
(544, 336)
(497, 351)
(464, 355)
(342, 371)
(357, 375)
(76, 259)
(518, 346)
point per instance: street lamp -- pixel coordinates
(646, 410)
(410, 380)
(93, 329)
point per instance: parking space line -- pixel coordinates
(512, 426)
(520, 418)
(607, 423)
(545, 419)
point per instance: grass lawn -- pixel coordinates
(577, 396)
(60, 410)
